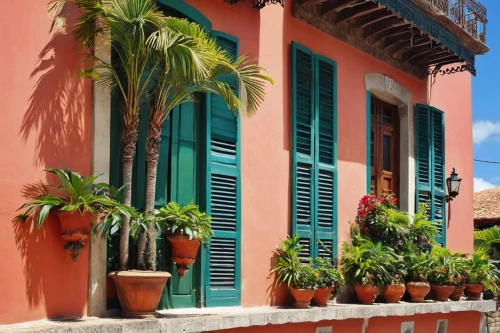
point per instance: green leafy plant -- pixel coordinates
(445, 268)
(306, 277)
(327, 276)
(369, 263)
(422, 231)
(488, 241)
(479, 269)
(287, 261)
(176, 219)
(75, 194)
(416, 266)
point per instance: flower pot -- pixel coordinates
(139, 292)
(75, 228)
(441, 293)
(366, 293)
(473, 291)
(322, 295)
(302, 297)
(184, 251)
(457, 293)
(417, 291)
(393, 292)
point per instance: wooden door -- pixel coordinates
(384, 148)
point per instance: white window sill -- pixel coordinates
(213, 319)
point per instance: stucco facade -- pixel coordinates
(52, 116)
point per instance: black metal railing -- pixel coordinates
(468, 14)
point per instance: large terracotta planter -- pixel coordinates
(322, 295)
(417, 291)
(139, 292)
(366, 293)
(184, 251)
(75, 228)
(441, 293)
(473, 291)
(393, 292)
(302, 297)
(457, 293)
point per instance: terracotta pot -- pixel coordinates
(417, 290)
(457, 293)
(441, 293)
(366, 293)
(473, 291)
(75, 228)
(393, 292)
(302, 297)
(139, 292)
(322, 295)
(184, 251)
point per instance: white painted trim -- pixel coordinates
(101, 117)
(390, 91)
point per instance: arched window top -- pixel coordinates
(189, 11)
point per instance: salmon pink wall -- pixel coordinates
(453, 95)
(46, 119)
(266, 35)
(459, 322)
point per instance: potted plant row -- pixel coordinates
(318, 279)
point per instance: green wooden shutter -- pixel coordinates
(223, 255)
(430, 165)
(303, 148)
(314, 175)
(325, 158)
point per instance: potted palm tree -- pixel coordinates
(480, 273)
(329, 281)
(186, 228)
(76, 202)
(369, 266)
(168, 58)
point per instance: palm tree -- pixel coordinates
(191, 63)
(125, 25)
(487, 241)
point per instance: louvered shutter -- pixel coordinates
(303, 148)
(325, 158)
(314, 153)
(430, 167)
(223, 260)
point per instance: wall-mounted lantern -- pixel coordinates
(259, 4)
(453, 185)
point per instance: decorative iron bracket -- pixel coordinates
(259, 4)
(435, 70)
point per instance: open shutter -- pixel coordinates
(325, 158)
(303, 148)
(222, 280)
(430, 183)
(438, 174)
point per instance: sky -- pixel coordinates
(486, 104)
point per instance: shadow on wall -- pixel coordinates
(59, 119)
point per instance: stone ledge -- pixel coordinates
(202, 320)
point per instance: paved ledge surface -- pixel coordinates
(213, 319)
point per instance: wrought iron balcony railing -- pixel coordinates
(470, 15)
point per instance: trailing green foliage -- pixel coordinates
(184, 220)
(76, 193)
(370, 263)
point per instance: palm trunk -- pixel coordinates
(130, 136)
(152, 156)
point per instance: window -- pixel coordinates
(430, 165)
(384, 148)
(314, 172)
